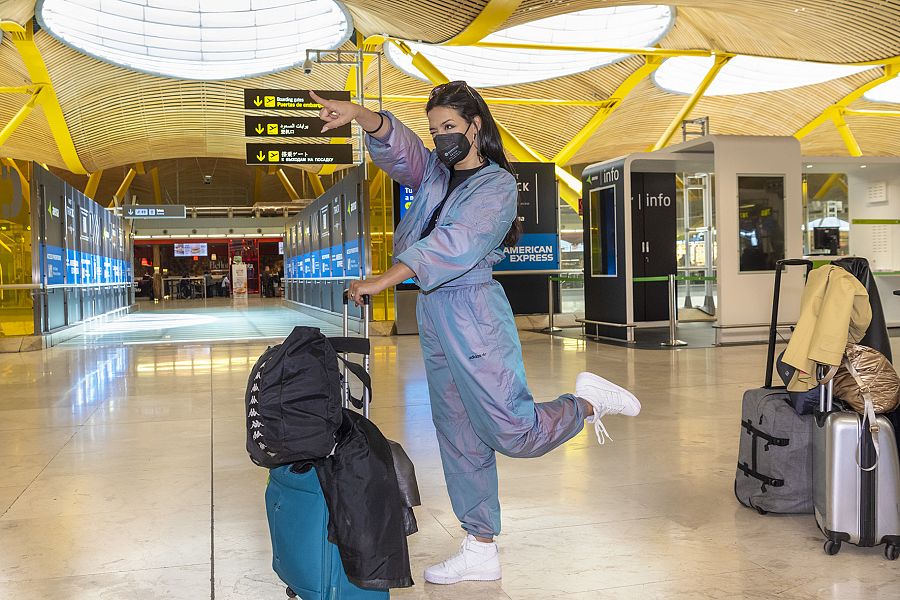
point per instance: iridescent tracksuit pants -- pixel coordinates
(480, 400)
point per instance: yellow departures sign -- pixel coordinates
(271, 126)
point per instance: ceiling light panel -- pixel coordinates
(746, 74)
(198, 39)
(888, 91)
(622, 26)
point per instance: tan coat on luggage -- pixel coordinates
(834, 311)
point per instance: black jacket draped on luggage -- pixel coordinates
(369, 508)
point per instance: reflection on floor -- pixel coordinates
(212, 320)
(15, 319)
(695, 334)
(123, 467)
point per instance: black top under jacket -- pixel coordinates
(457, 178)
(368, 516)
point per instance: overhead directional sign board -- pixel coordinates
(269, 99)
(157, 211)
(291, 127)
(299, 154)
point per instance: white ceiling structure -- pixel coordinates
(615, 27)
(197, 39)
(746, 74)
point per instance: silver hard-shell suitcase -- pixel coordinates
(856, 479)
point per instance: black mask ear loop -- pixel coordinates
(475, 138)
(477, 145)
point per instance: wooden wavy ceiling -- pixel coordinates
(117, 117)
(824, 30)
(181, 182)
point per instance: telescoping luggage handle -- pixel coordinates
(779, 267)
(367, 392)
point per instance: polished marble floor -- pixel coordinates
(215, 319)
(123, 476)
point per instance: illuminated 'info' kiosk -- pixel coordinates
(722, 209)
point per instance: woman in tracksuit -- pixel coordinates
(463, 215)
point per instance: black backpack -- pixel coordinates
(294, 397)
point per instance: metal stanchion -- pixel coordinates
(550, 310)
(673, 342)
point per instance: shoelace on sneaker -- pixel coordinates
(600, 429)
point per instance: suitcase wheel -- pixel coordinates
(832, 547)
(290, 593)
(891, 552)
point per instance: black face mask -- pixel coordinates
(452, 147)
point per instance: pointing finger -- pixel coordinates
(326, 103)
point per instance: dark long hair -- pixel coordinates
(463, 98)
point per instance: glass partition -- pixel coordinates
(761, 216)
(603, 232)
(826, 211)
(696, 246)
(16, 305)
(571, 251)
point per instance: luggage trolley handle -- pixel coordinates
(773, 326)
(367, 305)
(825, 377)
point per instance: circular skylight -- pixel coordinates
(746, 74)
(621, 26)
(889, 91)
(197, 39)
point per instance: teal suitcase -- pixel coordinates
(303, 557)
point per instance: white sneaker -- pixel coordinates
(607, 399)
(475, 561)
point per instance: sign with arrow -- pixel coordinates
(291, 127)
(156, 211)
(268, 99)
(299, 154)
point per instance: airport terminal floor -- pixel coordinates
(123, 475)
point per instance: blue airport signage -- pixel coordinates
(56, 269)
(74, 267)
(351, 260)
(407, 194)
(156, 211)
(337, 261)
(535, 252)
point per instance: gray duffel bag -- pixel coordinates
(774, 469)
